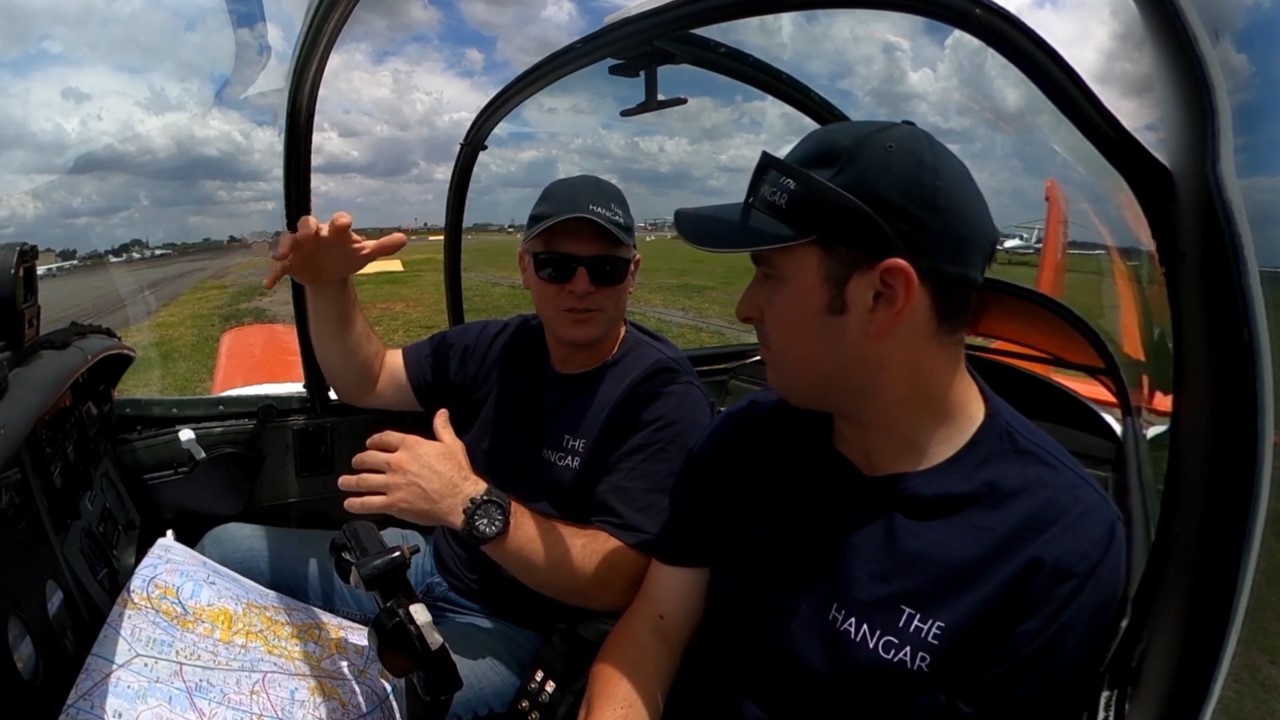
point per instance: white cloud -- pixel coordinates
(1262, 212)
(388, 23)
(525, 30)
(111, 127)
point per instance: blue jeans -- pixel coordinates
(491, 654)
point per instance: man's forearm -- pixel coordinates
(631, 674)
(349, 351)
(581, 566)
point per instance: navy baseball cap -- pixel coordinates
(583, 196)
(889, 187)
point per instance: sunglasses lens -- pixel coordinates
(602, 270)
(558, 269)
(607, 270)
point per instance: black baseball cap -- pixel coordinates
(583, 196)
(889, 187)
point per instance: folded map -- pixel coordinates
(191, 639)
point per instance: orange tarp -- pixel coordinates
(256, 354)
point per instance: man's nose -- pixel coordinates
(744, 311)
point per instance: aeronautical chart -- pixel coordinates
(191, 640)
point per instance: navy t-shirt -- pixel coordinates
(599, 447)
(988, 586)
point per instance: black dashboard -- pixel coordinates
(71, 465)
(69, 531)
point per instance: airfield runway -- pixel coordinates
(126, 293)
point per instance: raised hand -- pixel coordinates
(327, 253)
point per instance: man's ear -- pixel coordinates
(635, 270)
(522, 259)
(894, 287)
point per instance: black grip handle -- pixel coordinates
(401, 632)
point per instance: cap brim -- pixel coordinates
(622, 237)
(726, 228)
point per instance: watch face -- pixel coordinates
(489, 520)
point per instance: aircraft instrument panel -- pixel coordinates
(68, 528)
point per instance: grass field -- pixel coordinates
(688, 295)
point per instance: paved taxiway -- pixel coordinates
(126, 293)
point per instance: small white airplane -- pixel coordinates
(1020, 242)
(53, 269)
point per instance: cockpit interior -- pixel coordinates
(92, 473)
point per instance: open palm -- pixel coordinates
(319, 254)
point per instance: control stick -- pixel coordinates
(402, 633)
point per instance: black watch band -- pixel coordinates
(487, 517)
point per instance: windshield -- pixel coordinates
(141, 153)
(150, 177)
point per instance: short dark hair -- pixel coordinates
(953, 299)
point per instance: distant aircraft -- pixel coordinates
(138, 255)
(53, 269)
(1019, 242)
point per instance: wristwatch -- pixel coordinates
(487, 516)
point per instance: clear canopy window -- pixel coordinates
(153, 182)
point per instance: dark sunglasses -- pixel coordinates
(559, 267)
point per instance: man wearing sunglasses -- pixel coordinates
(878, 534)
(542, 508)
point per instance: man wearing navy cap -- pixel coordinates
(573, 423)
(877, 535)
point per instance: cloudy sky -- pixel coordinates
(123, 118)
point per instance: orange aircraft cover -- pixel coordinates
(256, 355)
